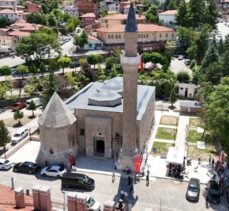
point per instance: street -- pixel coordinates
(161, 194)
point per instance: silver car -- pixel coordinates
(5, 164)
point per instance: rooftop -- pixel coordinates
(80, 99)
(121, 17)
(168, 12)
(88, 15)
(19, 34)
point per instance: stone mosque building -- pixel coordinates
(92, 122)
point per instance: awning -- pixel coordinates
(175, 155)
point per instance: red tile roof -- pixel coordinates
(141, 28)
(121, 17)
(93, 38)
(9, 11)
(19, 34)
(168, 12)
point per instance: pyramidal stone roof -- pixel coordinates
(56, 114)
(131, 25)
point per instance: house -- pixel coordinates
(150, 36)
(8, 4)
(86, 6)
(110, 5)
(117, 19)
(187, 90)
(93, 43)
(11, 14)
(33, 8)
(72, 10)
(88, 19)
(168, 17)
(190, 106)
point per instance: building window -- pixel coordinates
(119, 36)
(117, 136)
(51, 151)
(160, 36)
(82, 132)
(181, 88)
(116, 36)
(112, 36)
(100, 134)
(166, 35)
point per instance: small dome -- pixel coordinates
(113, 85)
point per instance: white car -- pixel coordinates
(53, 171)
(5, 164)
(92, 205)
(19, 135)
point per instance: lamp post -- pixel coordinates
(30, 134)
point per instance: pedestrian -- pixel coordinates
(113, 177)
(210, 160)
(213, 163)
(147, 180)
(122, 194)
(126, 197)
(199, 160)
(129, 180)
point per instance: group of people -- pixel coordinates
(174, 170)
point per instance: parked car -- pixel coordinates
(180, 57)
(53, 171)
(74, 64)
(36, 100)
(193, 190)
(5, 164)
(80, 181)
(18, 105)
(92, 205)
(213, 192)
(26, 167)
(19, 135)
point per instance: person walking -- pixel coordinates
(213, 163)
(210, 160)
(129, 180)
(147, 180)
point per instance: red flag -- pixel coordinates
(138, 161)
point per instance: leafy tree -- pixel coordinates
(101, 76)
(103, 13)
(33, 69)
(22, 70)
(18, 115)
(37, 18)
(216, 111)
(185, 37)
(4, 134)
(173, 97)
(3, 90)
(113, 72)
(212, 14)
(5, 71)
(42, 68)
(153, 57)
(183, 77)
(110, 61)
(182, 18)
(49, 5)
(4, 22)
(94, 59)
(64, 62)
(152, 14)
(32, 107)
(203, 91)
(52, 20)
(52, 65)
(81, 40)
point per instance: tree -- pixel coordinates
(183, 77)
(113, 72)
(18, 115)
(81, 40)
(4, 22)
(212, 14)
(33, 69)
(172, 97)
(42, 68)
(3, 90)
(64, 62)
(37, 18)
(182, 15)
(101, 76)
(110, 61)
(49, 5)
(94, 59)
(4, 134)
(216, 111)
(5, 71)
(32, 107)
(152, 14)
(22, 70)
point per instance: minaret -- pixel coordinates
(130, 60)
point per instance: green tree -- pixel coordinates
(182, 18)
(52, 20)
(152, 14)
(33, 69)
(183, 77)
(101, 76)
(22, 70)
(110, 61)
(42, 68)
(212, 14)
(172, 97)
(37, 18)
(185, 38)
(4, 135)
(18, 115)
(113, 72)
(103, 13)
(49, 5)
(64, 62)
(3, 90)
(5, 71)
(81, 40)
(4, 22)
(94, 59)
(32, 107)
(216, 111)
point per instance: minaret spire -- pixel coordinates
(131, 24)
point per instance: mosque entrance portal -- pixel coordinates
(100, 147)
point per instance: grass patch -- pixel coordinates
(195, 122)
(166, 133)
(161, 147)
(193, 136)
(169, 120)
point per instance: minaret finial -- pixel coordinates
(131, 25)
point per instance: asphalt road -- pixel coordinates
(161, 194)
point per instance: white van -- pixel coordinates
(36, 100)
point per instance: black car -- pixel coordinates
(79, 181)
(26, 167)
(213, 192)
(193, 190)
